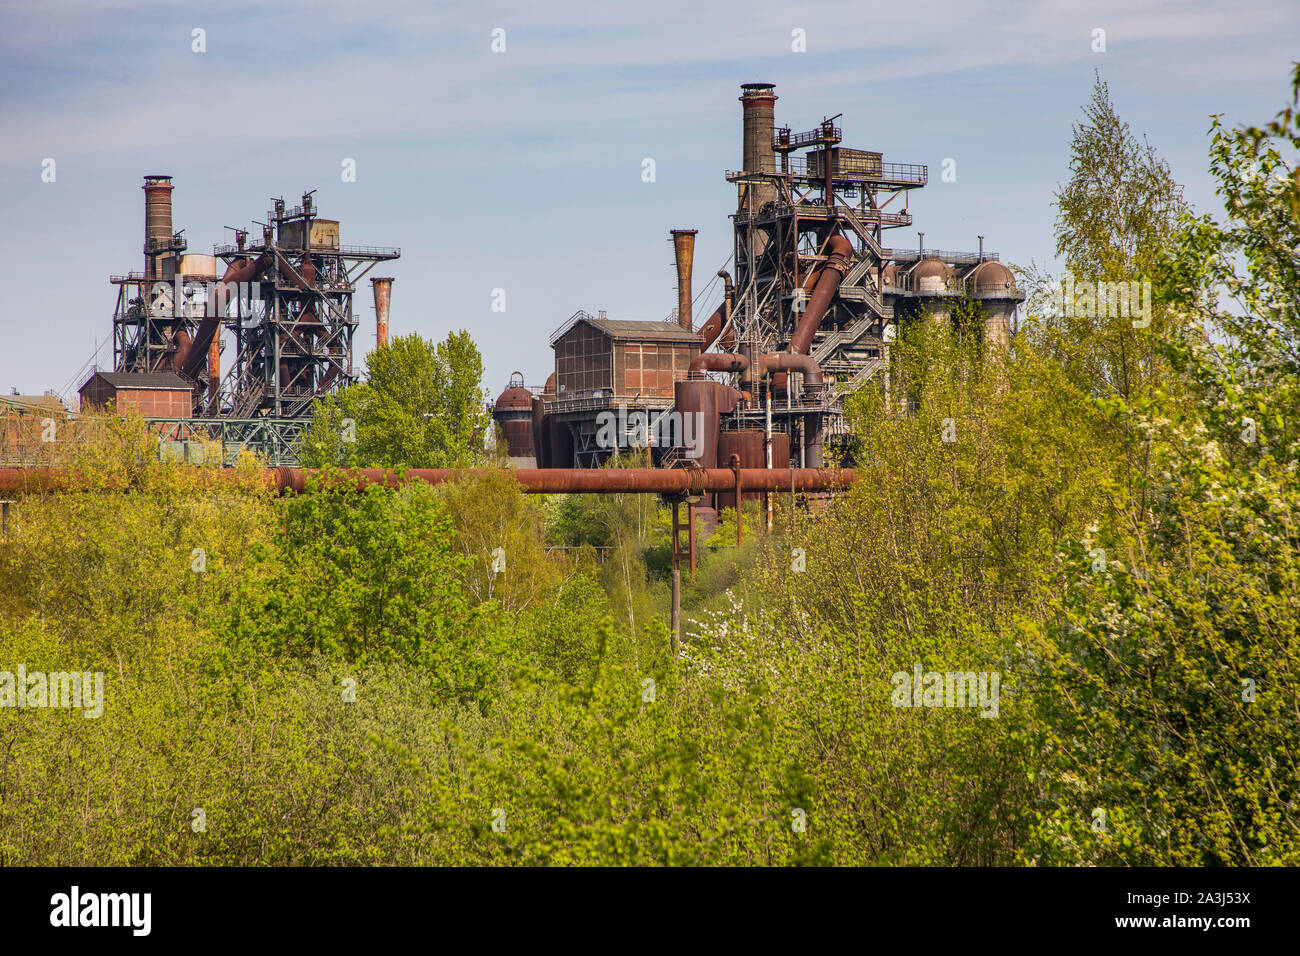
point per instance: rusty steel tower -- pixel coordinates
(294, 336)
(284, 302)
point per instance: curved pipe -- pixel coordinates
(710, 330)
(792, 362)
(812, 377)
(190, 357)
(840, 251)
(719, 362)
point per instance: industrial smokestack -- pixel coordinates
(759, 103)
(383, 289)
(157, 223)
(684, 248)
(981, 239)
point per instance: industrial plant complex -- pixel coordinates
(805, 318)
(234, 347)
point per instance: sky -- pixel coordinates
(521, 169)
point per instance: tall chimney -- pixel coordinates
(981, 238)
(157, 224)
(383, 289)
(759, 102)
(684, 248)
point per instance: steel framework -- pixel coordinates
(293, 341)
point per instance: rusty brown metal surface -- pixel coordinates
(684, 253)
(157, 223)
(840, 251)
(719, 362)
(539, 430)
(747, 446)
(382, 286)
(712, 326)
(190, 356)
(214, 376)
(790, 362)
(710, 400)
(672, 482)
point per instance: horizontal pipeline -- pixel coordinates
(686, 482)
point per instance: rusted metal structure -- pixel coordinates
(513, 413)
(383, 290)
(285, 304)
(294, 344)
(684, 254)
(803, 323)
(679, 483)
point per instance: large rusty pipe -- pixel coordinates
(713, 327)
(719, 362)
(684, 253)
(214, 376)
(382, 286)
(649, 481)
(812, 376)
(840, 251)
(190, 356)
(288, 271)
(792, 362)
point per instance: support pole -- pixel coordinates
(690, 533)
(740, 521)
(767, 447)
(676, 635)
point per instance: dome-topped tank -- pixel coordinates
(516, 397)
(932, 275)
(991, 276)
(514, 413)
(890, 277)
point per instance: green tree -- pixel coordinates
(1115, 216)
(1168, 677)
(421, 406)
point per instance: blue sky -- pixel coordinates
(522, 170)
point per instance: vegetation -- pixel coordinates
(1105, 518)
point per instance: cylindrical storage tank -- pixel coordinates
(989, 282)
(748, 444)
(513, 411)
(700, 401)
(199, 266)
